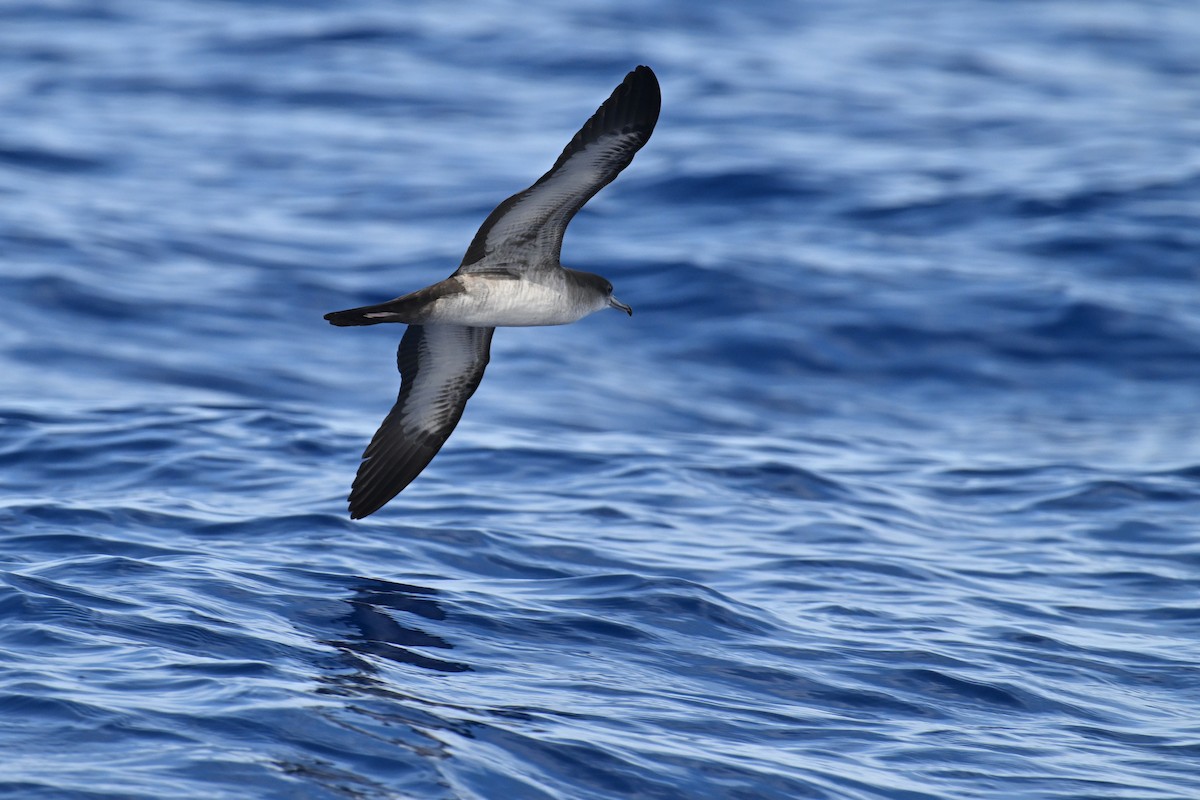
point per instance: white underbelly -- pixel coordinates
(508, 303)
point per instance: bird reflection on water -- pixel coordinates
(373, 614)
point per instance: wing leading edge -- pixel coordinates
(529, 226)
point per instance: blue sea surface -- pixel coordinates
(889, 489)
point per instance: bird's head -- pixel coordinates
(602, 291)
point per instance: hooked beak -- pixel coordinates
(615, 303)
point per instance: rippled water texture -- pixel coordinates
(889, 488)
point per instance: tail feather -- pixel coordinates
(368, 315)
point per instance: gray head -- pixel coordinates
(600, 288)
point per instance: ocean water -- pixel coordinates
(890, 488)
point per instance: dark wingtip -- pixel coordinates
(643, 73)
(634, 105)
(645, 97)
(368, 496)
(360, 509)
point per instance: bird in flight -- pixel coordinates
(510, 276)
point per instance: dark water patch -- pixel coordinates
(683, 288)
(148, 369)
(1151, 253)
(1112, 494)
(942, 687)
(1189, 473)
(245, 93)
(85, 12)
(1083, 334)
(349, 37)
(674, 604)
(91, 298)
(732, 186)
(833, 569)
(19, 239)
(960, 207)
(61, 541)
(873, 704)
(594, 768)
(776, 479)
(1139, 531)
(42, 159)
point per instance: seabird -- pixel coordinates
(510, 276)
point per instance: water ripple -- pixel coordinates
(888, 490)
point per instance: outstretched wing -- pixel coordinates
(440, 368)
(528, 227)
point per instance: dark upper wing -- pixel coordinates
(440, 368)
(531, 223)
